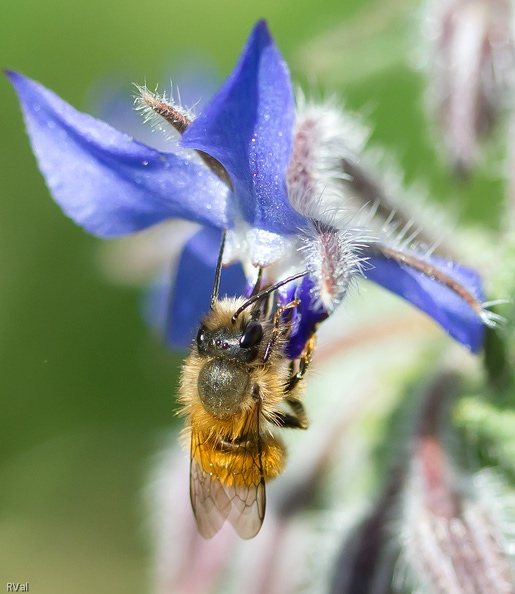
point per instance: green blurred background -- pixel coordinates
(86, 390)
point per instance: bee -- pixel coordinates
(237, 386)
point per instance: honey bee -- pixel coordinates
(237, 386)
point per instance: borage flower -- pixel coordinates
(471, 42)
(270, 173)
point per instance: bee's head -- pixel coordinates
(231, 342)
(237, 340)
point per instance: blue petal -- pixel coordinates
(106, 181)
(248, 127)
(191, 294)
(456, 316)
(309, 315)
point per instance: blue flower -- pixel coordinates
(264, 168)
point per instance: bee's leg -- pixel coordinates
(277, 329)
(293, 421)
(298, 419)
(304, 362)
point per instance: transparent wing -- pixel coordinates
(248, 508)
(227, 481)
(211, 504)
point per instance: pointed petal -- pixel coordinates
(106, 181)
(457, 317)
(197, 269)
(248, 127)
(309, 315)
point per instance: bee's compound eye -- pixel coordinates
(201, 336)
(252, 335)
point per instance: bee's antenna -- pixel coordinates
(266, 292)
(218, 271)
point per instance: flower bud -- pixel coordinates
(472, 70)
(452, 540)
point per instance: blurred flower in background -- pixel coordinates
(471, 72)
(325, 529)
(455, 535)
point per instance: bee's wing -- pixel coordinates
(211, 504)
(242, 499)
(248, 501)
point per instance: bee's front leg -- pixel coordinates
(298, 419)
(277, 329)
(304, 362)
